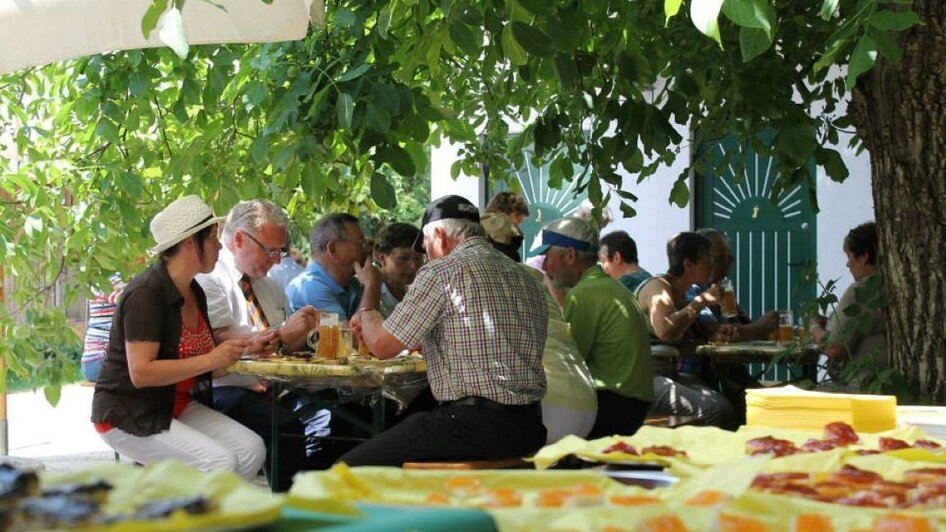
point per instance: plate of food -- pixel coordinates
(164, 496)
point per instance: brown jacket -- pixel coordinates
(149, 310)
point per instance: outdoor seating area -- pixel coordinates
(526, 265)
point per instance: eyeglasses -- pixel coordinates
(360, 243)
(275, 253)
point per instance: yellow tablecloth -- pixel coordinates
(400, 379)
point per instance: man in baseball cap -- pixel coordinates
(607, 325)
(481, 321)
(446, 208)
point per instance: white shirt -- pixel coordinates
(227, 307)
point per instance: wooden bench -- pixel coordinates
(671, 422)
(506, 463)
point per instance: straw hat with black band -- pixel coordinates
(179, 220)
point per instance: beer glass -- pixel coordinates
(329, 336)
(363, 348)
(786, 326)
(728, 303)
(345, 348)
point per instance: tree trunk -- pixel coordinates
(900, 113)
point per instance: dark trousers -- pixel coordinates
(254, 411)
(454, 433)
(618, 414)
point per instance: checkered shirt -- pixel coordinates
(481, 320)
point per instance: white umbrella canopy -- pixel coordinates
(39, 32)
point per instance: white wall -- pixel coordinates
(442, 183)
(843, 205)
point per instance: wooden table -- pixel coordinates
(399, 379)
(764, 352)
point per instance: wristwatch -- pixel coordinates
(312, 338)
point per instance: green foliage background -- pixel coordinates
(91, 149)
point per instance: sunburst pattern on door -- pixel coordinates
(754, 184)
(772, 243)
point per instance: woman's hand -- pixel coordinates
(263, 343)
(227, 353)
(712, 296)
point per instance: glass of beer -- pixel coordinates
(345, 346)
(786, 326)
(802, 331)
(728, 304)
(363, 347)
(329, 336)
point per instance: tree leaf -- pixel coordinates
(344, 109)
(382, 192)
(833, 164)
(313, 181)
(886, 45)
(255, 92)
(384, 21)
(464, 38)
(565, 30)
(378, 118)
(511, 49)
(829, 56)
(33, 225)
(354, 73)
(532, 39)
(627, 210)
(397, 158)
(750, 14)
(829, 9)
(797, 140)
(680, 193)
(705, 15)
(138, 84)
(671, 8)
(566, 71)
(150, 20)
(171, 32)
(53, 392)
(538, 7)
(862, 59)
(752, 43)
(259, 150)
(894, 20)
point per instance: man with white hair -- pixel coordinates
(481, 322)
(243, 303)
(607, 324)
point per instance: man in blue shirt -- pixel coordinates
(329, 283)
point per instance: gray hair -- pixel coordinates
(252, 215)
(330, 227)
(712, 232)
(455, 228)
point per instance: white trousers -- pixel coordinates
(200, 437)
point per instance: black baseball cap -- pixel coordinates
(445, 208)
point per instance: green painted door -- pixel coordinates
(545, 203)
(773, 244)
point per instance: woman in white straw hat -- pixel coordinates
(149, 401)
